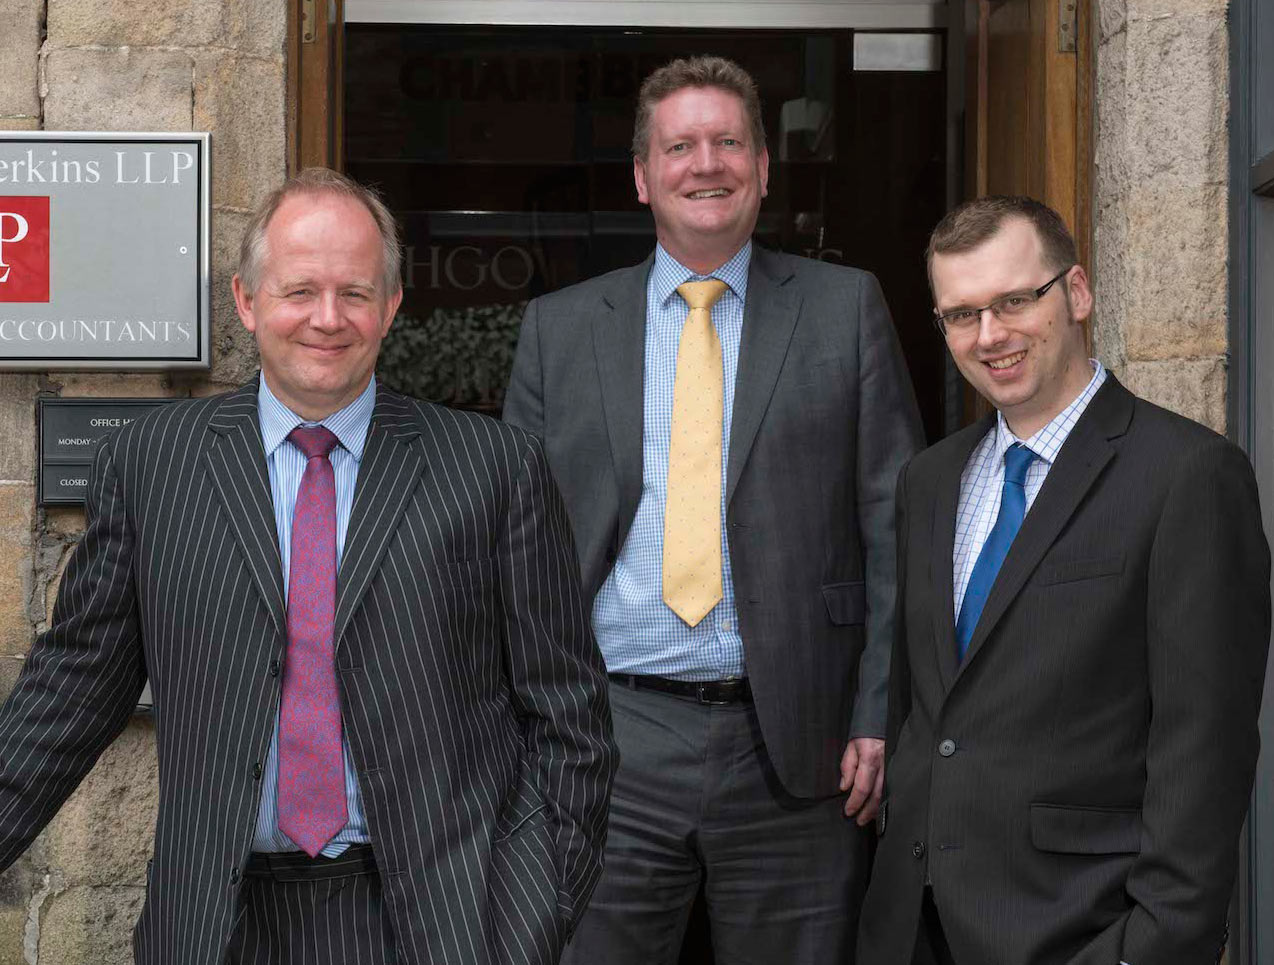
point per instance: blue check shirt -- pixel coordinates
(635, 629)
(286, 464)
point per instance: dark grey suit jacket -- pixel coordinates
(471, 689)
(1074, 788)
(823, 418)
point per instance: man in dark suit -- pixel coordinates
(727, 424)
(406, 763)
(1084, 614)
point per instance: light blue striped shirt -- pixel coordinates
(635, 629)
(982, 483)
(286, 464)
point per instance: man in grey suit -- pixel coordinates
(1084, 615)
(406, 763)
(726, 424)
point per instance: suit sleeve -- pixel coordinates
(1208, 619)
(888, 435)
(82, 677)
(524, 399)
(899, 667)
(558, 679)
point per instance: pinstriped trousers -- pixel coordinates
(295, 910)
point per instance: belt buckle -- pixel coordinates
(701, 694)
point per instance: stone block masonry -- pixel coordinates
(1160, 201)
(118, 65)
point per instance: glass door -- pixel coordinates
(505, 152)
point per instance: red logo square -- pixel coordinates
(24, 249)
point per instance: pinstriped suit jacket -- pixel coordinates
(472, 691)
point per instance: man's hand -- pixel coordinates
(862, 773)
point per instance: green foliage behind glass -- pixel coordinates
(456, 356)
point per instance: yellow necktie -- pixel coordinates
(692, 514)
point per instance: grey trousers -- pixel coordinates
(696, 800)
(299, 911)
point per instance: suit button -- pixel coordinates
(918, 850)
(234, 876)
(274, 668)
(947, 747)
(256, 770)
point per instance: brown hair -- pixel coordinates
(319, 181)
(699, 71)
(972, 223)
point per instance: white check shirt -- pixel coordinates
(982, 483)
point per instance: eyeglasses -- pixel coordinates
(1012, 305)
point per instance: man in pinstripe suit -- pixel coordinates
(407, 763)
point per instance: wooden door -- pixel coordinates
(1028, 110)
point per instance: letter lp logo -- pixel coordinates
(24, 249)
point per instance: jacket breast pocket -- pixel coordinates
(1085, 830)
(1072, 571)
(846, 603)
(462, 574)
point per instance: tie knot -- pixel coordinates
(702, 294)
(1017, 459)
(313, 440)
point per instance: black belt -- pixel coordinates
(735, 690)
(357, 859)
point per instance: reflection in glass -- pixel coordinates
(504, 151)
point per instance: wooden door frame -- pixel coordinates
(315, 75)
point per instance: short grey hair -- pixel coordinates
(701, 71)
(320, 181)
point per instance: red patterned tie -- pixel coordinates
(311, 768)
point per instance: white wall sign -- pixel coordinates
(104, 251)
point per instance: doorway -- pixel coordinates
(504, 149)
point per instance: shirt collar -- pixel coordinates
(349, 424)
(1047, 442)
(668, 273)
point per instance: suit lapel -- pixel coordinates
(946, 504)
(619, 344)
(387, 476)
(1079, 463)
(236, 466)
(768, 320)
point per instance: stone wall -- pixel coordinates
(1160, 200)
(161, 65)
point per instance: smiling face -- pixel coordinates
(702, 176)
(319, 313)
(1033, 366)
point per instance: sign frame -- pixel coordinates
(46, 461)
(200, 143)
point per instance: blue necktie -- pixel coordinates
(1012, 508)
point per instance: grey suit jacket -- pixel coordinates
(1074, 788)
(471, 689)
(823, 418)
